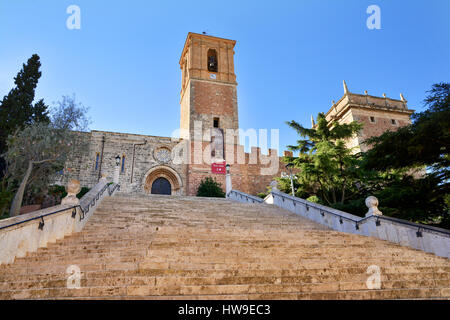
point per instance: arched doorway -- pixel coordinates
(161, 186)
(171, 180)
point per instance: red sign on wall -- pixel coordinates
(218, 168)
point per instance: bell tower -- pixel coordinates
(208, 84)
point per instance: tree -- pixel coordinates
(41, 149)
(424, 143)
(326, 166)
(209, 187)
(392, 170)
(68, 114)
(16, 108)
(6, 195)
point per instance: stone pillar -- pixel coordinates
(116, 174)
(228, 185)
(274, 185)
(72, 188)
(372, 204)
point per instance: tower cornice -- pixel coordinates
(192, 35)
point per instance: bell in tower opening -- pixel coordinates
(212, 60)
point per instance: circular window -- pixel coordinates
(163, 155)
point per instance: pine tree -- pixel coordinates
(423, 144)
(326, 167)
(17, 108)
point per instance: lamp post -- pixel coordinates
(289, 169)
(228, 186)
(117, 170)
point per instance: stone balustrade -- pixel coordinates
(28, 232)
(243, 197)
(374, 224)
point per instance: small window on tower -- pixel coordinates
(393, 121)
(372, 119)
(216, 122)
(212, 60)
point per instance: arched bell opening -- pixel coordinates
(212, 61)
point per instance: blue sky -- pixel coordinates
(291, 56)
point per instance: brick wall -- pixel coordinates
(204, 100)
(382, 123)
(252, 176)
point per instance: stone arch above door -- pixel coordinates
(166, 172)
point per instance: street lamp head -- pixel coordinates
(228, 168)
(117, 160)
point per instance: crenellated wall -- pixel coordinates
(251, 172)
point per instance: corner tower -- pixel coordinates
(208, 84)
(378, 114)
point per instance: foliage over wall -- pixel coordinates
(35, 141)
(407, 170)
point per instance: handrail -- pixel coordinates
(416, 225)
(247, 196)
(363, 220)
(97, 196)
(315, 205)
(39, 217)
(83, 210)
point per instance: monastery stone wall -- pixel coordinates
(187, 164)
(132, 177)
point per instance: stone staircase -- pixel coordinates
(159, 247)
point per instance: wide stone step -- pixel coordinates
(341, 283)
(197, 248)
(311, 291)
(303, 275)
(220, 252)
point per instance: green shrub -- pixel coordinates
(356, 207)
(314, 199)
(60, 191)
(209, 187)
(57, 191)
(82, 192)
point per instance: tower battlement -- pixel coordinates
(367, 102)
(377, 114)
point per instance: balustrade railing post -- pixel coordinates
(72, 188)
